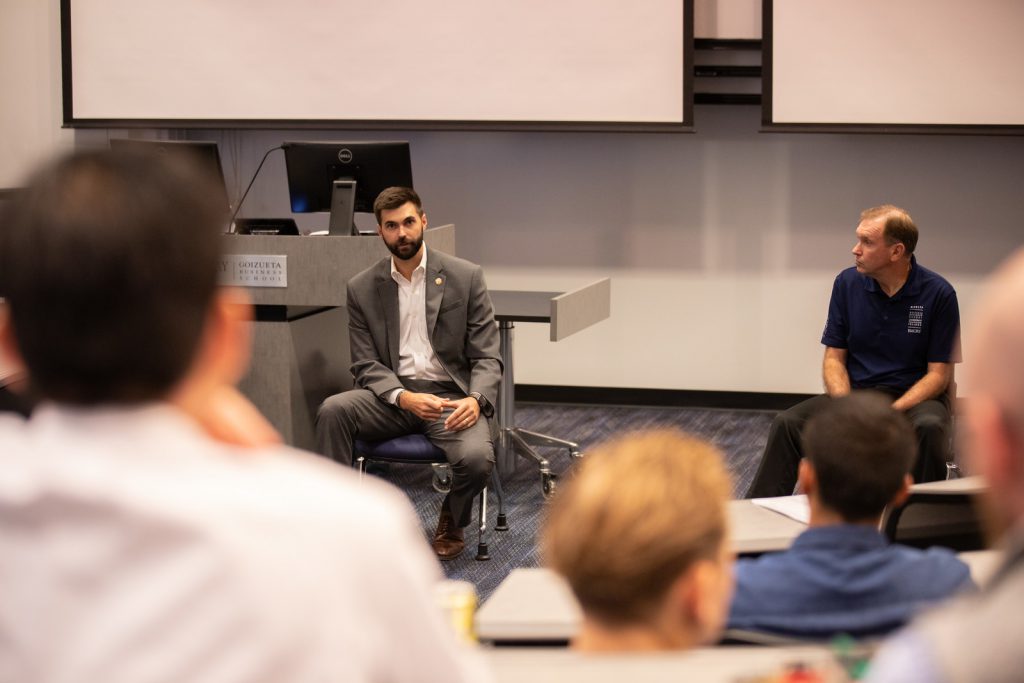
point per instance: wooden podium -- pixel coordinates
(300, 351)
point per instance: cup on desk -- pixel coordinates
(457, 600)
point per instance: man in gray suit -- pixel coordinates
(424, 357)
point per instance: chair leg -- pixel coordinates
(953, 471)
(501, 523)
(482, 551)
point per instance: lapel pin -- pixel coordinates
(438, 281)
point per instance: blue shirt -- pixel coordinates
(890, 341)
(844, 578)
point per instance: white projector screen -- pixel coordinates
(377, 61)
(920, 63)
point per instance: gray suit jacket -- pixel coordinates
(460, 324)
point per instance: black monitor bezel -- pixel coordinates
(313, 166)
(205, 152)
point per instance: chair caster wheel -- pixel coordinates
(548, 484)
(442, 479)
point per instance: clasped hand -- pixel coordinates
(465, 411)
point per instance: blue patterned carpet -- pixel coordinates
(740, 434)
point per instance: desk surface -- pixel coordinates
(518, 306)
(755, 530)
(566, 312)
(708, 665)
(970, 485)
(534, 604)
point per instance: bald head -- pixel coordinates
(997, 362)
(995, 408)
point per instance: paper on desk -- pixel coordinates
(794, 507)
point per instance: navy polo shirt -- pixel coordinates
(890, 341)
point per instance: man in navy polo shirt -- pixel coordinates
(893, 326)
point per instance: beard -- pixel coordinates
(407, 249)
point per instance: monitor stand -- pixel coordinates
(343, 204)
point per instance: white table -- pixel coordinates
(706, 665)
(755, 530)
(532, 604)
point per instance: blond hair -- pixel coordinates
(640, 511)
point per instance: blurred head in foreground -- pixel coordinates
(108, 262)
(640, 534)
(995, 409)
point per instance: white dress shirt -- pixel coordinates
(416, 357)
(135, 549)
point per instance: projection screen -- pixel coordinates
(907, 63)
(383, 62)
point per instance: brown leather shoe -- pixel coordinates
(448, 539)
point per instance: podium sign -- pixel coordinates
(253, 270)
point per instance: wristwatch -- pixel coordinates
(485, 407)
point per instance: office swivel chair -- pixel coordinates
(417, 449)
(937, 516)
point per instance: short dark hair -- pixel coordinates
(861, 448)
(899, 227)
(394, 197)
(109, 261)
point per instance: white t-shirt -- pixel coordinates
(135, 549)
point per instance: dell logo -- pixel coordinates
(345, 155)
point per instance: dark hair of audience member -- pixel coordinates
(861, 450)
(109, 263)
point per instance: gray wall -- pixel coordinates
(722, 245)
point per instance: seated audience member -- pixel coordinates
(842, 575)
(135, 547)
(977, 637)
(640, 534)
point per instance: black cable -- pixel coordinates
(231, 223)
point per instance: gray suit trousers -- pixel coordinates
(359, 414)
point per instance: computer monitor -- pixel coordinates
(204, 153)
(344, 177)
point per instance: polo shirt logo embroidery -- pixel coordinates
(915, 320)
